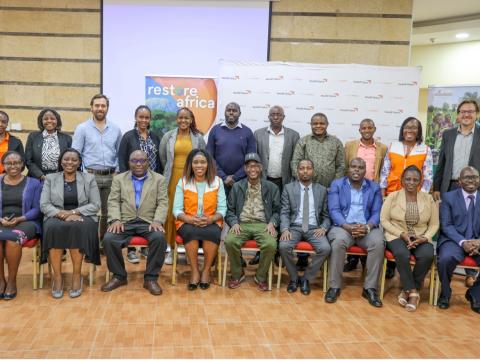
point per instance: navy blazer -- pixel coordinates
(453, 217)
(339, 201)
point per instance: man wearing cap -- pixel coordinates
(253, 213)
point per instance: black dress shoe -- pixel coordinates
(192, 286)
(302, 262)
(352, 262)
(304, 286)
(292, 286)
(332, 295)
(255, 260)
(474, 304)
(443, 303)
(204, 285)
(372, 297)
(113, 284)
(390, 273)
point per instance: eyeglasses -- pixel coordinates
(469, 178)
(467, 112)
(138, 161)
(13, 163)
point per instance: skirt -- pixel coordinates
(82, 235)
(190, 232)
(20, 233)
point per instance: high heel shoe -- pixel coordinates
(204, 285)
(76, 293)
(192, 286)
(57, 294)
(9, 296)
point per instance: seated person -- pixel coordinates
(460, 235)
(304, 216)
(137, 206)
(253, 213)
(409, 218)
(70, 201)
(19, 217)
(199, 208)
(354, 204)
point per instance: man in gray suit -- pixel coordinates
(460, 148)
(275, 145)
(304, 215)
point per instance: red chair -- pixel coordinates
(136, 241)
(249, 245)
(467, 263)
(304, 247)
(34, 244)
(389, 257)
(178, 243)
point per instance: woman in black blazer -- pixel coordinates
(141, 133)
(45, 146)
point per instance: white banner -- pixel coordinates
(345, 93)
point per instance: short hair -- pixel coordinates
(13, 152)
(211, 167)
(367, 120)
(357, 159)
(468, 168)
(42, 114)
(419, 138)
(139, 151)
(5, 114)
(141, 107)
(193, 124)
(62, 154)
(319, 114)
(469, 101)
(412, 168)
(99, 96)
(308, 160)
(234, 104)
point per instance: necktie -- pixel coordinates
(305, 211)
(469, 234)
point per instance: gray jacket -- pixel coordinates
(167, 150)
(291, 205)
(51, 200)
(290, 140)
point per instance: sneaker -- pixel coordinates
(132, 257)
(235, 283)
(261, 285)
(144, 252)
(169, 258)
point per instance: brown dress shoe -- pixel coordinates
(469, 281)
(153, 287)
(113, 284)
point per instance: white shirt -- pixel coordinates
(467, 204)
(312, 219)
(275, 146)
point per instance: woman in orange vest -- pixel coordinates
(408, 150)
(199, 207)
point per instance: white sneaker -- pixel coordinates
(169, 259)
(132, 257)
(169, 248)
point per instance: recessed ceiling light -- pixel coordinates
(462, 35)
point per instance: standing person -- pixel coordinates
(460, 148)
(138, 206)
(98, 141)
(199, 209)
(373, 153)
(43, 147)
(8, 142)
(304, 214)
(175, 146)
(275, 145)
(140, 138)
(228, 143)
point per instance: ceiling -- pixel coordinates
(438, 21)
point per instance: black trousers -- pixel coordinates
(423, 261)
(113, 244)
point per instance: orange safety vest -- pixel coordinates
(399, 162)
(190, 200)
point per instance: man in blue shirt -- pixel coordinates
(98, 142)
(354, 204)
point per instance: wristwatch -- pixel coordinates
(74, 212)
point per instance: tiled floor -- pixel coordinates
(223, 323)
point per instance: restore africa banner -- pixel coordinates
(166, 94)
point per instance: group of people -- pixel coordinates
(271, 186)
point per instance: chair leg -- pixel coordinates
(279, 277)
(225, 265)
(40, 285)
(437, 288)
(382, 284)
(35, 267)
(432, 281)
(107, 276)
(325, 275)
(91, 273)
(270, 276)
(174, 265)
(219, 266)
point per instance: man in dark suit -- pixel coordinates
(460, 235)
(459, 147)
(275, 145)
(304, 215)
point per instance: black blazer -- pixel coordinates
(15, 144)
(129, 144)
(443, 174)
(33, 151)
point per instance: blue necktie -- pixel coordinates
(469, 234)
